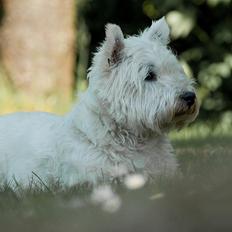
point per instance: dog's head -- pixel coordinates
(141, 81)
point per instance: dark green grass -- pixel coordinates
(198, 200)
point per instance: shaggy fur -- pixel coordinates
(119, 125)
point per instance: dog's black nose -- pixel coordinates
(188, 97)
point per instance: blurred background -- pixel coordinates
(46, 48)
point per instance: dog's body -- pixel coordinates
(137, 93)
(74, 150)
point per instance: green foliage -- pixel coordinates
(201, 33)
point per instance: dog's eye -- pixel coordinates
(150, 76)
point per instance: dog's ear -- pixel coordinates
(159, 30)
(114, 43)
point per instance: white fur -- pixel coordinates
(120, 121)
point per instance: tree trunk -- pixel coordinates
(37, 45)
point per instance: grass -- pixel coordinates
(199, 200)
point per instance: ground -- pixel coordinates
(198, 200)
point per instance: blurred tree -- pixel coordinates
(37, 45)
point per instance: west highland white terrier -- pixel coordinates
(137, 92)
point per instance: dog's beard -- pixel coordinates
(178, 116)
(184, 114)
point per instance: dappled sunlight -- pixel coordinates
(21, 102)
(14, 100)
(181, 23)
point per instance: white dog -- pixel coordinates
(138, 91)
